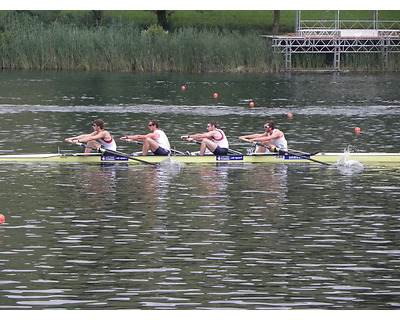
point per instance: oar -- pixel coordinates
(275, 149)
(229, 150)
(173, 150)
(116, 153)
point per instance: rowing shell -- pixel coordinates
(331, 158)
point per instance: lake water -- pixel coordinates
(200, 237)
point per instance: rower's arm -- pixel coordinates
(136, 137)
(197, 136)
(82, 137)
(252, 136)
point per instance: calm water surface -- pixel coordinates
(199, 237)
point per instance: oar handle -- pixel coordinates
(274, 149)
(187, 137)
(101, 150)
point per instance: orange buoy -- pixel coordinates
(251, 104)
(357, 129)
(215, 95)
(290, 115)
(2, 218)
(183, 88)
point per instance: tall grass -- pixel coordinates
(366, 62)
(371, 62)
(126, 48)
(32, 44)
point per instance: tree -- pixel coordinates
(162, 18)
(97, 16)
(277, 22)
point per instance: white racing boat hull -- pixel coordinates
(330, 158)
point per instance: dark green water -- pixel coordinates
(193, 237)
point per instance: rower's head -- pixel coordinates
(153, 124)
(98, 123)
(212, 125)
(269, 126)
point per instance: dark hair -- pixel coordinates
(213, 123)
(99, 123)
(154, 123)
(271, 124)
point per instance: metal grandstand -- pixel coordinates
(339, 37)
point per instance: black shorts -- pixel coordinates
(161, 152)
(220, 151)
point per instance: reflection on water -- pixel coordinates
(120, 236)
(295, 236)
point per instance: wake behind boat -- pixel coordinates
(271, 158)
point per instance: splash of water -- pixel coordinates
(347, 166)
(170, 163)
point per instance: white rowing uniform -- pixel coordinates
(110, 145)
(223, 141)
(163, 141)
(281, 142)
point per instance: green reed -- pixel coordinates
(30, 44)
(126, 48)
(371, 62)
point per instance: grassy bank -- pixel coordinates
(257, 21)
(29, 42)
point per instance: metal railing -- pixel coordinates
(336, 46)
(297, 45)
(339, 37)
(348, 33)
(347, 24)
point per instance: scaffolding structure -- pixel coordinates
(339, 37)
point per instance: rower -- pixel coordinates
(272, 137)
(155, 141)
(99, 138)
(214, 140)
